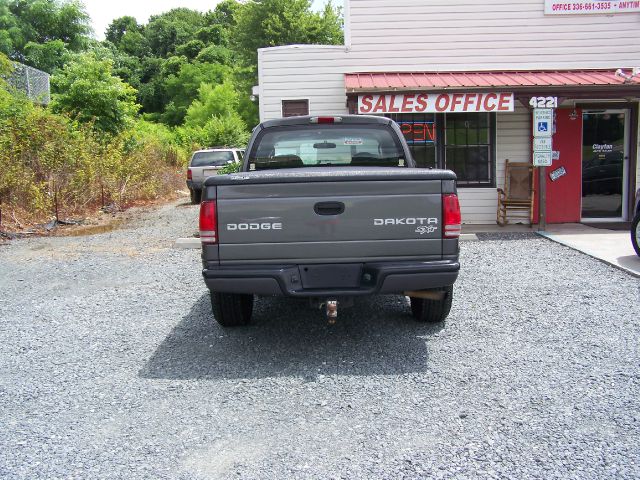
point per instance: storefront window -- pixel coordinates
(468, 147)
(462, 142)
(420, 132)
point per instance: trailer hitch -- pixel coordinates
(330, 309)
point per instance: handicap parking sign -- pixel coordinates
(542, 122)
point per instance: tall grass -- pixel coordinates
(53, 167)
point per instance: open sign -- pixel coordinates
(418, 132)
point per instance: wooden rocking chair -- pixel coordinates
(516, 199)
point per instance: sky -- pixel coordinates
(102, 12)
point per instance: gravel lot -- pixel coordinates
(112, 367)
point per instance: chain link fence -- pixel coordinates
(33, 82)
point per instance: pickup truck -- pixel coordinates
(330, 208)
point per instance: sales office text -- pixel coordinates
(444, 102)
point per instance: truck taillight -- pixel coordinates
(208, 222)
(451, 218)
(189, 174)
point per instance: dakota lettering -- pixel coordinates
(405, 221)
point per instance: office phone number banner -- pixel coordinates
(557, 7)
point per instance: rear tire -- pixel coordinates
(232, 309)
(196, 195)
(432, 311)
(635, 233)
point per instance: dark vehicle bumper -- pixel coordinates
(332, 280)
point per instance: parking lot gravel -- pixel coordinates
(112, 367)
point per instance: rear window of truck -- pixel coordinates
(211, 159)
(326, 145)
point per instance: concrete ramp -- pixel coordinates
(610, 246)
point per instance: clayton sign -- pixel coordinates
(436, 103)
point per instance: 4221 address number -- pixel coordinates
(544, 102)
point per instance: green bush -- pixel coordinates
(230, 168)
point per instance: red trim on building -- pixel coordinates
(411, 81)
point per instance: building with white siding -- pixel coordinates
(458, 75)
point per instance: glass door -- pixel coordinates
(604, 164)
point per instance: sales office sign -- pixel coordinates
(436, 103)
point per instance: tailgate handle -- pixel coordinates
(329, 208)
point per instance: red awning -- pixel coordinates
(515, 80)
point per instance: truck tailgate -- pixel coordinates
(347, 216)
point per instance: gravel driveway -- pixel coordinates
(112, 367)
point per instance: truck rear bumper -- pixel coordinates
(332, 280)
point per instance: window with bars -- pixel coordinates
(462, 142)
(468, 148)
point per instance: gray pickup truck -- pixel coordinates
(330, 208)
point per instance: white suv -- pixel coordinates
(206, 163)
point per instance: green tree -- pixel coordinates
(24, 23)
(219, 23)
(225, 14)
(151, 92)
(121, 26)
(191, 49)
(269, 23)
(168, 30)
(218, 100)
(227, 130)
(182, 88)
(215, 54)
(244, 79)
(89, 92)
(134, 44)
(48, 56)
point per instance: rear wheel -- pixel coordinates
(196, 195)
(232, 309)
(635, 233)
(432, 311)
